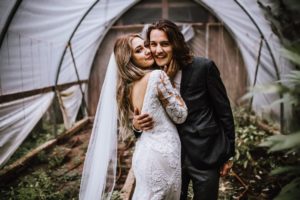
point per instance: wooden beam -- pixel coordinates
(21, 95)
(132, 26)
(170, 5)
(165, 9)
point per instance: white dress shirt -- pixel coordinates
(177, 80)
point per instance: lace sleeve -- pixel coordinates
(171, 99)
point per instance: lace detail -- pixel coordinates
(156, 159)
(171, 100)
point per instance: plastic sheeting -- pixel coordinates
(70, 101)
(34, 44)
(40, 30)
(17, 119)
(248, 40)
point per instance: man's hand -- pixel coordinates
(226, 168)
(142, 121)
(172, 69)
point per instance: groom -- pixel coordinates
(207, 136)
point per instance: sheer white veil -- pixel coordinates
(99, 171)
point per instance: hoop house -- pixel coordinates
(60, 49)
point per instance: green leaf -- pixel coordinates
(290, 170)
(282, 142)
(292, 56)
(290, 191)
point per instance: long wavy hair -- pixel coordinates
(128, 72)
(181, 51)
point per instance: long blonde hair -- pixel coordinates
(128, 72)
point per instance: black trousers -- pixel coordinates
(205, 182)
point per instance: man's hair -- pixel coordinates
(181, 52)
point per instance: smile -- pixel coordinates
(160, 57)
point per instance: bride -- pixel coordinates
(156, 160)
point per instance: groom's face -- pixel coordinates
(160, 47)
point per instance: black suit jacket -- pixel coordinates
(207, 135)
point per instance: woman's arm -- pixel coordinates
(171, 99)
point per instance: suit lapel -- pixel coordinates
(185, 77)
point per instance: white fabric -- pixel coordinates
(177, 80)
(34, 43)
(88, 37)
(70, 101)
(99, 170)
(17, 119)
(156, 160)
(188, 32)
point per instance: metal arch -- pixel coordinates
(229, 30)
(71, 37)
(263, 36)
(113, 21)
(9, 20)
(64, 53)
(268, 46)
(69, 43)
(274, 62)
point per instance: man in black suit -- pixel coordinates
(207, 136)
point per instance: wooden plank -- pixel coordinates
(12, 170)
(136, 26)
(128, 188)
(21, 95)
(223, 50)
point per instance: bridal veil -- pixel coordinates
(99, 172)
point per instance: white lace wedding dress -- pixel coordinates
(156, 160)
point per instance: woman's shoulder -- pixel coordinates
(157, 73)
(154, 76)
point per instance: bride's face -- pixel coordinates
(141, 55)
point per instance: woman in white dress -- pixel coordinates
(156, 160)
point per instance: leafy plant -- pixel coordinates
(284, 17)
(38, 185)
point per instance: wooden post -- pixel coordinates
(128, 188)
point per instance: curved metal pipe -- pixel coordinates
(8, 21)
(71, 37)
(273, 59)
(264, 38)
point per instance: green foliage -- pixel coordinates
(290, 191)
(43, 183)
(47, 176)
(288, 170)
(284, 17)
(57, 158)
(37, 137)
(116, 195)
(289, 143)
(283, 142)
(37, 185)
(248, 136)
(252, 162)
